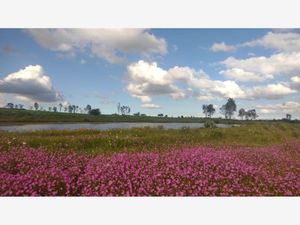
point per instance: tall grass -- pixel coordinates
(151, 139)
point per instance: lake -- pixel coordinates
(100, 126)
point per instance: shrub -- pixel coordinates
(209, 124)
(95, 112)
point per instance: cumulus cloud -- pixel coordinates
(147, 79)
(244, 76)
(280, 41)
(30, 83)
(287, 107)
(222, 47)
(270, 91)
(262, 68)
(108, 44)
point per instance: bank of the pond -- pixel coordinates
(151, 139)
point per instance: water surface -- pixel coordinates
(100, 126)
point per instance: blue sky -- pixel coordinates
(170, 71)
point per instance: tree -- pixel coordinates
(21, 106)
(125, 110)
(229, 108)
(95, 112)
(88, 108)
(10, 105)
(49, 108)
(242, 113)
(210, 110)
(60, 105)
(251, 114)
(36, 106)
(205, 111)
(160, 115)
(74, 108)
(54, 109)
(70, 109)
(288, 116)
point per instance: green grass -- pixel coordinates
(152, 139)
(30, 116)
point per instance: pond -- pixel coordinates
(100, 126)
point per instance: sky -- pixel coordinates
(169, 71)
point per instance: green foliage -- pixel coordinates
(94, 112)
(209, 124)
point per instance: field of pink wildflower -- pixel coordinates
(202, 171)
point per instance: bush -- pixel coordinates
(95, 112)
(209, 124)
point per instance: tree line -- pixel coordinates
(228, 110)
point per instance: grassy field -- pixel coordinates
(30, 116)
(152, 139)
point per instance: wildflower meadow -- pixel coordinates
(199, 171)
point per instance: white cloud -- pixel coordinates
(151, 106)
(263, 68)
(30, 83)
(244, 76)
(222, 47)
(146, 80)
(280, 41)
(109, 44)
(270, 91)
(295, 82)
(287, 107)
